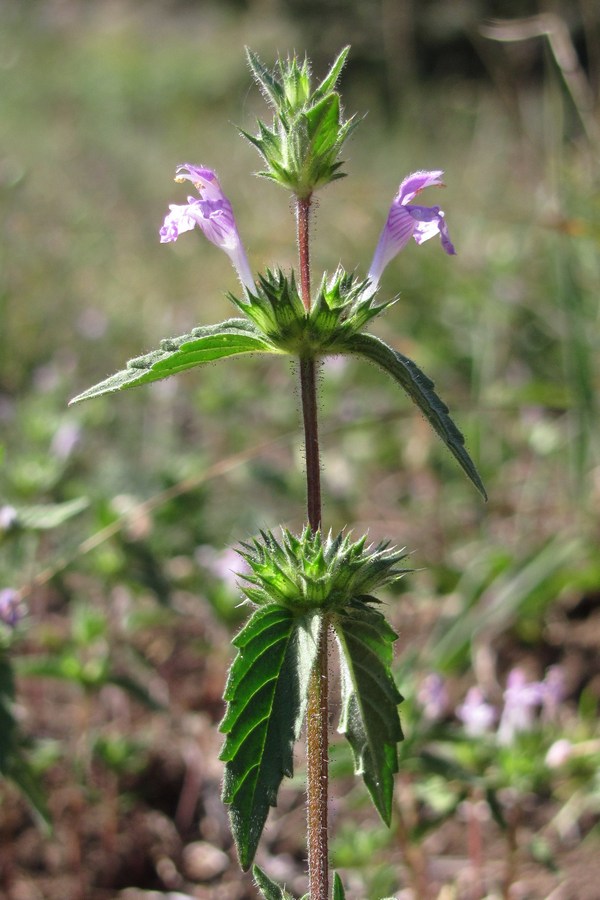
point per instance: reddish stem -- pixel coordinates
(308, 391)
(303, 219)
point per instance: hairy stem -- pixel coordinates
(317, 774)
(303, 222)
(308, 391)
(317, 713)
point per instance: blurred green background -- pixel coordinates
(98, 103)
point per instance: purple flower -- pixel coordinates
(554, 693)
(213, 214)
(522, 699)
(225, 565)
(475, 713)
(11, 608)
(65, 440)
(433, 697)
(405, 220)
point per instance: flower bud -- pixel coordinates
(302, 147)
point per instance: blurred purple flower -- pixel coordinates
(65, 440)
(11, 607)
(405, 220)
(475, 713)
(8, 517)
(225, 565)
(433, 697)
(554, 693)
(213, 214)
(522, 699)
(559, 753)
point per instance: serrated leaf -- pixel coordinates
(268, 888)
(50, 515)
(338, 888)
(370, 700)
(420, 389)
(266, 693)
(205, 344)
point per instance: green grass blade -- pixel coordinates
(420, 389)
(501, 604)
(579, 352)
(266, 694)
(45, 517)
(370, 700)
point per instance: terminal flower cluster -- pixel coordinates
(312, 570)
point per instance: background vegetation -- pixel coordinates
(123, 652)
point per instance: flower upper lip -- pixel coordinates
(204, 180)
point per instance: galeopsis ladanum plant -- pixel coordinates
(304, 587)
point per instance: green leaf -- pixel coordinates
(269, 889)
(50, 515)
(7, 720)
(136, 690)
(323, 122)
(420, 389)
(205, 344)
(370, 700)
(14, 764)
(266, 693)
(19, 770)
(338, 888)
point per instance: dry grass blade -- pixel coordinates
(555, 30)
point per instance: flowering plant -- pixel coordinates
(309, 588)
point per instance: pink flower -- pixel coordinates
(559, 753)
(213, 214)
(405, 220)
